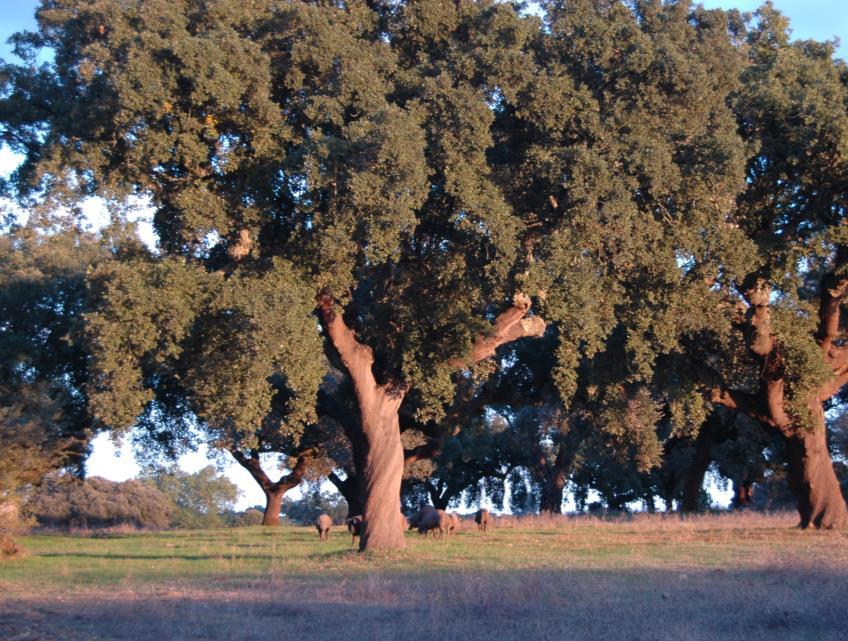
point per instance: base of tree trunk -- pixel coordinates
(552, 493)
(693, 480)
(743, 495)
(812, 480)
(382, 528)
(273, 504)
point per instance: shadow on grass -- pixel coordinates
(347, 553)
(172, 555)
(774, 604)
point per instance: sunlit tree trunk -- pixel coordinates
(812, 479)
(380, 424)
(383, 471)
(811, 476)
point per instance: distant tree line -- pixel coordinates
(432, 251)
(160, 499)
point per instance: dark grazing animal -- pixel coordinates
(354, 526)
(482, 519)
(415, 520)
(323, 524)
(432, 521)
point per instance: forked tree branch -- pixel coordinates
(286, 482)
(834, 289)
(357, 358)
(422, 452)
(509, 326)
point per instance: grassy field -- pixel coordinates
(710, 578)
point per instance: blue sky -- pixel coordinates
(818, 19)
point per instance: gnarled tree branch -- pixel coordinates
(833, 291)
(422, 452)
(509, 326)
(357, 358)
(286, 482)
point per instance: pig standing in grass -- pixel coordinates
(323, 524)
(453, 523)
(432, 521)
(354, 526)
(482, 519)
(415, 520)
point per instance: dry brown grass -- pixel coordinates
(9, 548)
(710, 578)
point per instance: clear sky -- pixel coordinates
(818, 19)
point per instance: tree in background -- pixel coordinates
(46, 420)
(64, 501)
(30, 452)
(664, 158)
(307, 508)
(44, 354)
(625, 156)
(250, 516)
(200, 499)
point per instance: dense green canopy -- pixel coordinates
(433, 178)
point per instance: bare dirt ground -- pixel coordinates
(715, 578)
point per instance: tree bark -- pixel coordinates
(743, 494)
(379, 406)
(693, 481)
(812, 479)
(382, 471)
(273, 505)
(650, 503)
(811, 476)
(274, 492)
(552, 491)
(382, 528)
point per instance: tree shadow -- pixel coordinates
(771, 604)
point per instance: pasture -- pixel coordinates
(746, 576)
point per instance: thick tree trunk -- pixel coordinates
(693, 481)
(382, 528)
(274, 492)
(351, 490)
(812, 479)
(743, 494)
(552, 491)
(378, 409)
(273, 504)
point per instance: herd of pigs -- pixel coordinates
(427, 519)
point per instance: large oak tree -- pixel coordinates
(793, 108)
(292, 152)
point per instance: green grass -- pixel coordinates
(728, 577)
